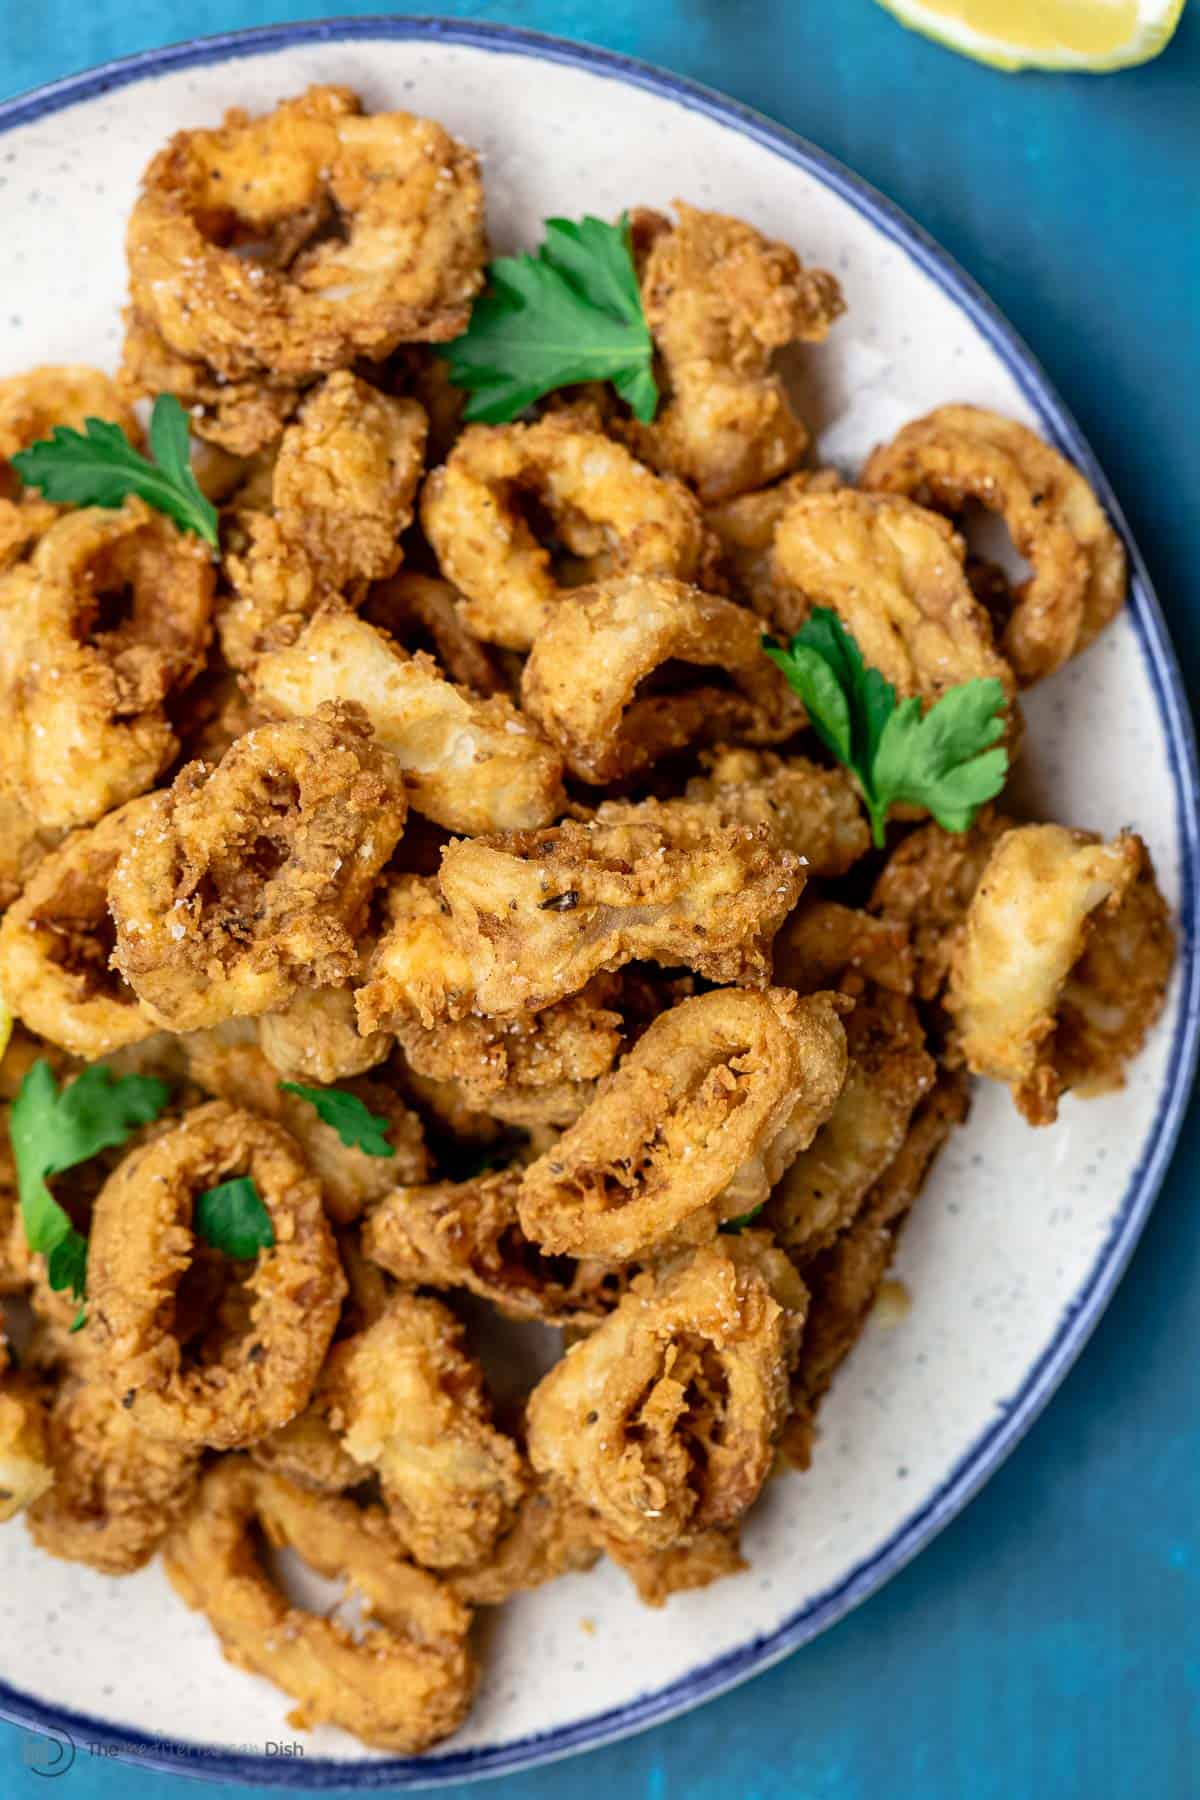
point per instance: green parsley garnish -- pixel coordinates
(570, 313)
(232, 1218)
(897, 751)
(52, 1131)
(733, 1226)
(98, 466)
(355, 1124)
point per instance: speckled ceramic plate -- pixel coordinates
(1020, 1236)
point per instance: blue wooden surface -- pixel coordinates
(1047, 1643)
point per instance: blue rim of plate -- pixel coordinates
(1086, 1306)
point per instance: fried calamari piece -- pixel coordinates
(251, 880)
(411, 1407)
(664, 1420)
(700, 1120)
(812, 811)
(116, 1490)
(422, 613)
(467, 1234)
(342, 494)
(471, 764)
(239, 417)
(551, 1535)
(720, 299)
(314, 1039)
(400, 1681)
(228, 1062)
(590, 677)
(925, 888)
(308, 1451)
(545, 1063)
(107, 621)
(56, 940)
(26, 1469)
(657, 1574)
(1019, 968)
(612, 515)
(263, 1329)
(845, 1279)
(959, 454)
(229, 261)
(894, 575)
(31, 405)
(745, 531)
(889, 1073)
(531, 917)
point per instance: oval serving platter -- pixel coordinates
(1019, 1237)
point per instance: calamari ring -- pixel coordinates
(697, 1124)
(657, 1574)
(116, 1490)
(56, 940)
(408, 268)
(262, 1351)
(31, 405)
(241, 417)
(720, 299)
(961, 453)
(468, 1235)
(664, 1420)
(84, 694)
(401, 1682)
(411, 1407)
(342, 492)
(1044, 895)
(584, 681)
(812, 811)
(614, 516)
(250, 881)
(519, 921)
(894, 574)
(471, 764)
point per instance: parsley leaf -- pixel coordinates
(945, 759)
(355, 1124)
(98, 466)
(52, 1131)
(733, 1226)
(570, 313)
(232, 1218)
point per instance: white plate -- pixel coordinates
(1020, 1236)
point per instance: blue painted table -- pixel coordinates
(1047, 1643)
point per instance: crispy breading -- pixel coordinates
(925, 888)
(812, 811)
(590, 677)
(469, 763)
(531, 917)
(401, 1681)
(959, 454)
(249, 881)
(410, 1405)
(263, 1334)
(695, 1127)
(664, 1420)
(408, 267)
(614, 516)
(720, 299)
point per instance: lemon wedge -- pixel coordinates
(1046, 34)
